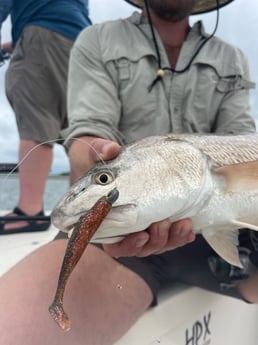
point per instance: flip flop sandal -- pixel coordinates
(33, 225)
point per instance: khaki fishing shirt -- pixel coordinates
(114, 63)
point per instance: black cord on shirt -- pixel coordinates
(161, 70)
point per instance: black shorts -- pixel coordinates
(194, 264)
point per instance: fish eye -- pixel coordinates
(104, 178)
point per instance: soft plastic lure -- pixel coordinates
(81, 236)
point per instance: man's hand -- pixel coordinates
(159, 237)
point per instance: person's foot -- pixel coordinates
(19, 222)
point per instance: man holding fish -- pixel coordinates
(128, 81)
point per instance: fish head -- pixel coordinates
(123, 173)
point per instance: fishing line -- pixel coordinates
(26, 156)
(6, 177)
(119, 136)
(101, 160)
(50, 142)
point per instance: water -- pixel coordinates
(9, 191)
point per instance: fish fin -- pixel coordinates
(241, 223)
(240, 177)
(224, 241)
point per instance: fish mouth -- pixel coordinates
(66, 222)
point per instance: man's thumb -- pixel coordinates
(104, 149)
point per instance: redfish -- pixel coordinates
(212, 179)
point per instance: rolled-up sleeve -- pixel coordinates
(93, 104)
(218, 94)
(234, 113)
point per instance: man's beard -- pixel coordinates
(172, 10)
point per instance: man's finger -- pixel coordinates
(159, 233)
(104, 149)
(130, 246)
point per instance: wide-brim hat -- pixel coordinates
(202, 6)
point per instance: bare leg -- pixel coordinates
(103, 299)
(33, 174)
(249, 289)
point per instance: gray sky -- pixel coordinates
(238, 25)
